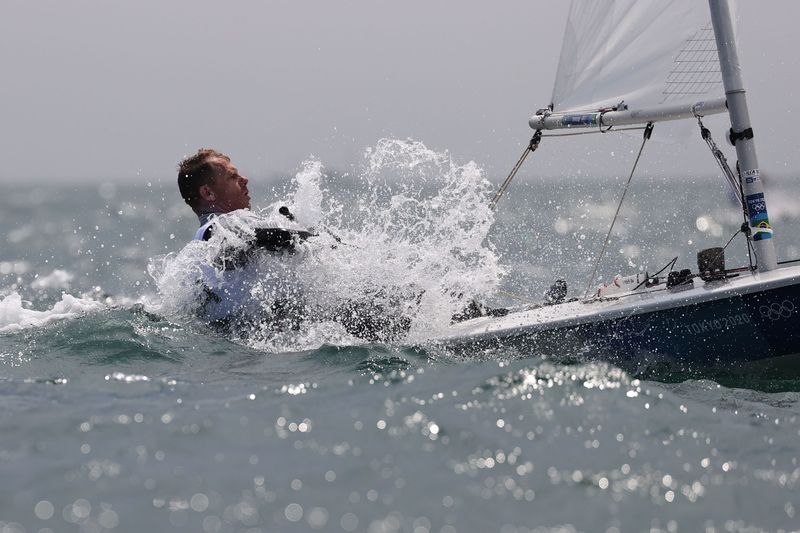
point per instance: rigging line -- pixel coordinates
(733, 182)
(731, 239)
(532, 146)
(746, 224)
(615, 297)
(648, 277)
(585, 111)
(648, 131)
(592, 131)
(515, 296)
(721, 253)
(722, 161)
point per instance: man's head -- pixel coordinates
(210, 183)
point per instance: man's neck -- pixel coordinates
(205, 216)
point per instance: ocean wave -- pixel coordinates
(57, 279)
(14, 316)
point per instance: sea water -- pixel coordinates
(121, 412)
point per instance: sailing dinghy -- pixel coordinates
(633, 63)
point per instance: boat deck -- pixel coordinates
(529, 320)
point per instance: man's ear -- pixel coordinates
(206, 193)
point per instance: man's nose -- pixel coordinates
(245, 180)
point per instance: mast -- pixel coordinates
(742, 135)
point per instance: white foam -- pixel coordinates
(416, 233)
(15, 317)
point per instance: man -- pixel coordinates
(247, 282)
(215, 189)
(236, 293)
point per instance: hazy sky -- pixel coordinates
(111, 90)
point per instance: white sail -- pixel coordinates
(643, 52)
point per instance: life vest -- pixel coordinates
(206, 221)
(242, 289)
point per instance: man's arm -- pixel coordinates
(279, 239)
(273, 239)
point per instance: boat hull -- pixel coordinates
(719, 327)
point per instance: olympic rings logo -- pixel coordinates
(777, 311)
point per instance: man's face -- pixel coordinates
(229, 189)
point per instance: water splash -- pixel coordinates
(15, 316)
(400, 248)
